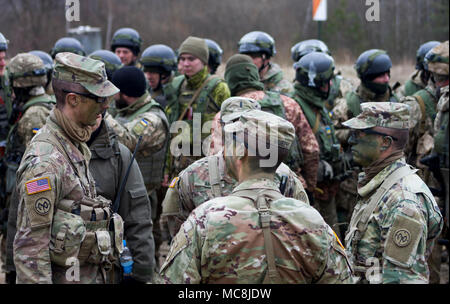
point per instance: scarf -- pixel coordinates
(378, 165)
(73, 131)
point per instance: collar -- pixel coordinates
(274, 73)
(101, 147)
(197, 80)
(375, 182)
(256, 184)
(367, 95)
(142, 101)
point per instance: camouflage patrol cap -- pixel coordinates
(232, 108)
(381, 114)
(87, 72)
(263, 125)
(437, 59)
(27, 70)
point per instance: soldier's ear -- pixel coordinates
(386, 143)
(73, 99)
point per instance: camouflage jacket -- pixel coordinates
(273, 80)
(222, 242)
(401, 230)
(441, 125)
(60, 179)
(308, 141)
(193, 187)
(411, 86)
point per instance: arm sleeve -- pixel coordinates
(32, 120)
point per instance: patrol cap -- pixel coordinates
(232, 108)
(381, 114)
(437, 59)
(259, 124)
(87, 72)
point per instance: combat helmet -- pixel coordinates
(257, 42)
(372, 62)
(48, 63)
(3, 43)
(159, 56)
(112, 61)
(215, 55)
(437, 61)
(307, 46)
(27, 70)
(67, 44)
(422, 51)
(314, 70)
(127, 37)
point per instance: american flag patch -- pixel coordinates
(38, 185)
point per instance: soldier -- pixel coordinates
(207, 178)
(396, 220)
(109, 163)
(339, 86)
(312, 86)
(242, 77)
(261, 47)
(48, 65)
(112, 61)
(139, 116)
(215, 56)
(195, 93)
(65, 232)
(67, 44)
(437, 61)
(229, 239)
(126, 44)
(419, 79)
(159, 63)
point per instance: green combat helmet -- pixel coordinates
(307, 46)
(315, 70)
(27, 70)
(372, 62)
(127, 37)
(422, 51)
(257, 42)
(112, 61)
(215, 55)
(160, 57)
(3, 43)
(67, 44)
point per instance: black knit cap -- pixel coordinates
(130, 80)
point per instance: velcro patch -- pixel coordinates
(402, 240)
(179, 242)
(38, 185)
(174, 182)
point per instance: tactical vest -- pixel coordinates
(177, 94)
(15, 148)
(323, 129)
(152, 165)
(427, 103)
(273, 103)
(354, 102)
(361, 216)
(87, 230)
(411, 87)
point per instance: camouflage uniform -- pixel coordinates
(273, 80)
(396, 220)
(412, 85)
(54, 186)
(200, 94)
(246, 237)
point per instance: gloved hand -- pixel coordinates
(325, 171)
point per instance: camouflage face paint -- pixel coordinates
(365, 148)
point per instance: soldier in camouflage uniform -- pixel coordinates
(339, 86)
(420, 77)
(246, 237)
(65, 232)
(159, 63)
(140, 116)
(242, 77)
(261, 47)
(126, 44)
(195, 93)
(313, 74)
(396, 220)
(207, 178)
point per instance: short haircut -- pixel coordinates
(59, 86)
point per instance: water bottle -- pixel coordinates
(126, 260)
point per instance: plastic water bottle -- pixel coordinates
(126, 260)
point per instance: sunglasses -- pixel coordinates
(91, 96)
(371, 132)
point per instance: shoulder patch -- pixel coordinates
(140, 126)
(35, 130)
(174, 182)
(38, 185)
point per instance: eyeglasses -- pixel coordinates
(91, 96)
(356, 133)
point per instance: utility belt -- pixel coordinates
(87, 230)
